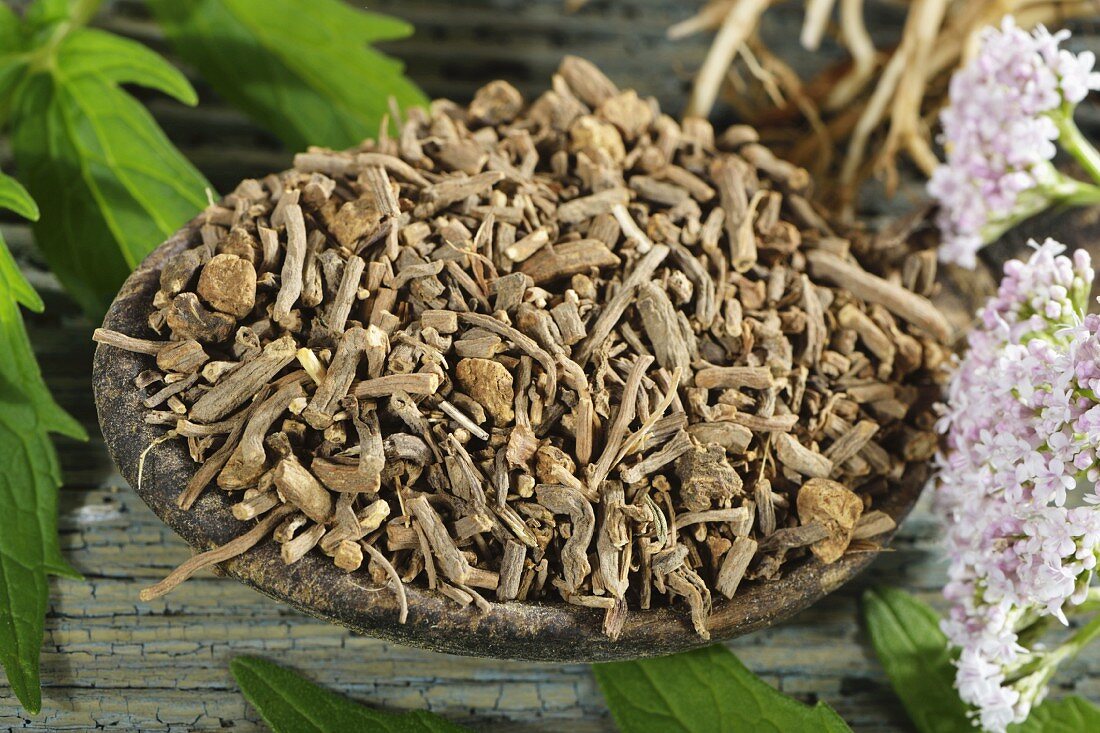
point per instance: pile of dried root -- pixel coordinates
(566, 351)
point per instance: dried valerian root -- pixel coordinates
(569, 350)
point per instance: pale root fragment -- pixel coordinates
(833, 506)
(490, 384)
(298, 487)
(228, 283)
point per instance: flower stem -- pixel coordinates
(1031, 678)
(1078, 641)
(1081, 194)
(1076, 144)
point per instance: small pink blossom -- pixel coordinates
(1022, 429)
(999, 134)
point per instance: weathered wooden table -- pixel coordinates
(110, 661)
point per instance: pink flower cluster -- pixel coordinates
(1018, 476)
(999, 134)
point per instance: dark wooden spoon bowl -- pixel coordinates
(313, 585)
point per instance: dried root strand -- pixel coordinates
(395, 580)
(738, 24)
(875, 104)
(228, 551)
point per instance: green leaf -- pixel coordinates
(110, 184)
(14, 197)
(917, 658)
(41, 14)
(10, 33)
(45, 12)
(704, 691)
(1068, 715)
(97, 53)
(12, 56)
(29, 477)
(302, 70)
(78, 12)
(292, 704)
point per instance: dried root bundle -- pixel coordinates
(569, 350)
(855, 118)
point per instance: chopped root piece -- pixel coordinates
(836, 508)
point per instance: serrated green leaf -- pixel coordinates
(1068, 715)
(111, 186)
(15, 198)
(917, 659)
(704, 691)
(99, 54)
(291, 704)
(29, 477)
(301, 69)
